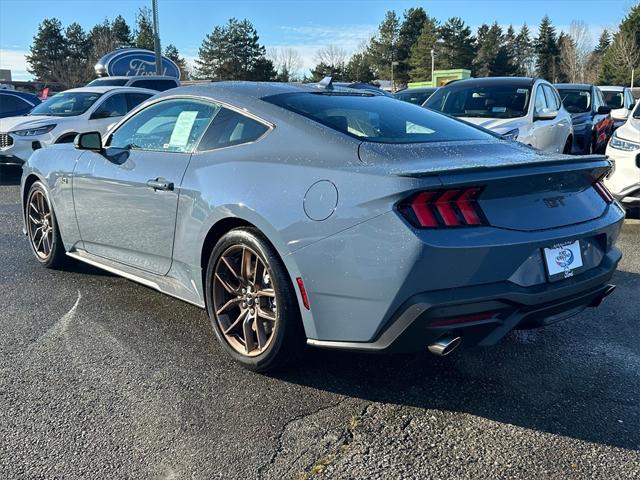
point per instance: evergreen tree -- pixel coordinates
(233, 52)
(547, 51)
(594, 61)
(420, 58)
(336, 71)
(625, 46)
(77, 68)
(412, 24)
(489, 42)
(121, 31)
(144, 29)
(383, 47)
(171, 52)
(510, 47)
(457, 49)
(48, 47)
(566, 68)
(359, 69)
(524, 52)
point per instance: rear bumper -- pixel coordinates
(423, 318)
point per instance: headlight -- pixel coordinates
(511, 134)
(30, 132)
(620, 144)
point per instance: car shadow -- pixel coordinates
(577, 379)
(10, 175)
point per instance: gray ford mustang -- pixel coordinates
(335, 216)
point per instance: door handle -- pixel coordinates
(160, 184)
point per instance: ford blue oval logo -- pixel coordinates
(564, 258)
(129, 62)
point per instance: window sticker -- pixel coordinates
(499, 109)
(584, 94)
(522, 90)
(182, 129)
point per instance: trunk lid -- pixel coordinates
(523, 189)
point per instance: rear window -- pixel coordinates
(497, 101)
(417, 98)
(376, 118)
(155, 84)
(613, 99)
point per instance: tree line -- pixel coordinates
(401, 49)
(68, 55)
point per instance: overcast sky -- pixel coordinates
(305, 25)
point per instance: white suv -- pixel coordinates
(621, 102)
(528, 110)
(63, 116)
(159, 83)
(624, 152)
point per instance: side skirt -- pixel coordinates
(166, 285)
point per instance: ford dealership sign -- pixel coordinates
(128, 62)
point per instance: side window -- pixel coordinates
(597, 99)
(167, 126)
(158, 85)
(552, 100)
(540, 101)
(113, 106)
(135, 99)
(231, 128)
(11, 104)
(630, 98)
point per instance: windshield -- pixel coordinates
(497, 101)
(613, 99)
(415, 97)
(67, 104)
(376, 118)
(107, 82)
(576, 101)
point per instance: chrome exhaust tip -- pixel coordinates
(445, 345)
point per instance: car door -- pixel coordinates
(561, 123)
(126, 197)
(600, 120)
(543, 133)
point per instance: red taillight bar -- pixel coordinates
(603, 191)
(456, 207)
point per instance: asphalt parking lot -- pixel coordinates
(103, 378)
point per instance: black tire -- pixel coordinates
(54, 256)
(567, 146)
(286, 337)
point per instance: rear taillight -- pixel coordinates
(457, 207)
(603, 191)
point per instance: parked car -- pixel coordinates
(624, 151)
(14, 103)
(528, 110)
(417, 96)
(255, 202)
(63, 116)
(621, 101)
(159, 83)
(591, 117)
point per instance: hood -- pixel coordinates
(497, 125)
(580, 118)
(630, 130)
(26, 121)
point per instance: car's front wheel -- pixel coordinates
(251, 301)
(42, 228)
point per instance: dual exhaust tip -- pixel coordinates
(445, 345)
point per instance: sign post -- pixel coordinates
(156, 37)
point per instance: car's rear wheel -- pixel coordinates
(42, 228)
(251, 302)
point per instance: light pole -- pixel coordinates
(393, 83)
(156, 37)
(433, 63)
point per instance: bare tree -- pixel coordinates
(331, 55)
(287, 62)
(626, 53)
(581, 37)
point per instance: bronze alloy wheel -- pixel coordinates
(40, 224)
(244, 300)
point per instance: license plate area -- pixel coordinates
(562, 260)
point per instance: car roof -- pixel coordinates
(417, 89)
(612, 88)
(574, 86)
(492, 81)
(25, 95)
(106, 89)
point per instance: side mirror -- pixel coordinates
(631, 105)
(100, 114)
(604, 110)
(545, 114)
(88, 141)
